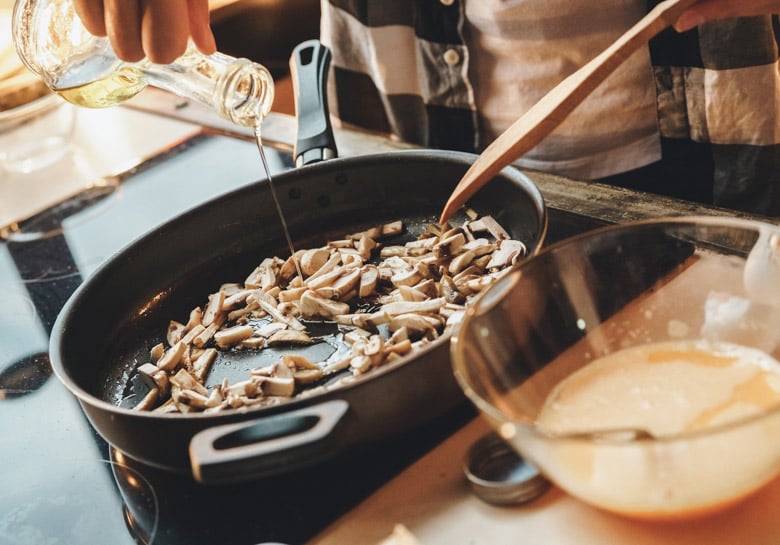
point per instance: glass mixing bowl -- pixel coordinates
(683, 418)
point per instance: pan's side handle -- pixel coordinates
(260, 447)
(309, 65)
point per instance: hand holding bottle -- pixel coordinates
(157, 30)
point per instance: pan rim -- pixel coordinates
(60, 327)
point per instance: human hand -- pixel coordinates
(711, 10)
(156, 29)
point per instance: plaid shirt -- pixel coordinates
(717, 95)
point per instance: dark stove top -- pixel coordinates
(60, 482)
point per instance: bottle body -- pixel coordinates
(84, 69)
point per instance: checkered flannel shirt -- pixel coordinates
(717, 89)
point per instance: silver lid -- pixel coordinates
(499, 475)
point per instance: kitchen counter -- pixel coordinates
(432, 500)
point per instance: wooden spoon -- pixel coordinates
(542, 118)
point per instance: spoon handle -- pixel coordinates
(542, 118)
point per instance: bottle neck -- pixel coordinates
(240, 90)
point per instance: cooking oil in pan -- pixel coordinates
(259, 140)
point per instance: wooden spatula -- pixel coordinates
(542, 118)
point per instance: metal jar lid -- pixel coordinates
(499, 475)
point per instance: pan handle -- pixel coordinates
(309, 64)
(259, 447)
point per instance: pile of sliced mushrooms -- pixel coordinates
(411, 294)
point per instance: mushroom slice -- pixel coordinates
(405, 307)
(356, 335)
(191, 399)
(385, 230)
(192, 333)
(253, 343)
(307, 376)
(489, 224)
(336, 366)
(509, 251)
(480, 246)
(451, 245)
(148, 402)
(408, 277)
(268, 329)
(289, 336)
(268, 304)
(235, 300)
(154, 377)
(401, 348)
(278, 386)
(213, 308)
(360, 364)
(363, 320)
(316, 306)
(346, 283)
(313, 260)
(172, 357)
(327, 279)
(393, 251)
(416, 324)
(196, 316)
(204, 337)
(399, 335)
(157, 352)
(296, 361)
(289, 270)
(292, 294)
(333, 261)
(202, 365)
(175, 332)
(185, 381)
(264, 274)
(369, 276)
(374, 349)
(364, 246)
(250, 387)
(461, 261)
(231, 336)
(425, 243)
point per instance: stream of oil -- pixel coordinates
(259, 140)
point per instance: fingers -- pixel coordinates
(711, 10)
(156, 29)
(91, 14)
(165, 29)
(123, 26)
(199, 26)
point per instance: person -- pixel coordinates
(695, 115)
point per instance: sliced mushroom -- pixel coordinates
(175, 332)
(202, 365)
(172, 357)
(154, 377)
(213, 308)
(316, 306)
(289, 336)
(230, 337)
(509, 251)
(313, 260)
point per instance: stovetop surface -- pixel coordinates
(60, 482)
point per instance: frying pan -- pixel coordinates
(106, 328)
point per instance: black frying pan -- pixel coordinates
(107, 327)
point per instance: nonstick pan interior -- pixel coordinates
(124, 309)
